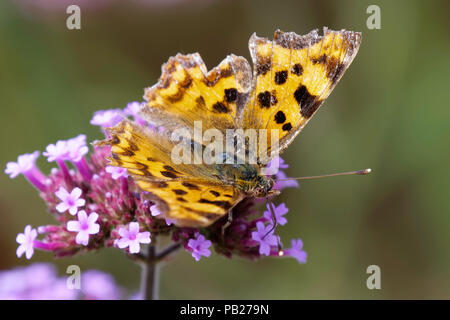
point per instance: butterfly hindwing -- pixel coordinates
(191, 194)
(142, 153)
(192, 202)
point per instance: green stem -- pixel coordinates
(150, 275)
(151, 268)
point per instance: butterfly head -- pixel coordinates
(264, 187)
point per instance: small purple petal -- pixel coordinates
(116, 172)
(170, 221)
(107, 118)
(155, 211)
(134, 228)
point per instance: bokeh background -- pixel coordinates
(390, 112)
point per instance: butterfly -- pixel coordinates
(292, 76)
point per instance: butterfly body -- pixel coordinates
(244, 176)
(291, 78)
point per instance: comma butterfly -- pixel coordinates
(292, 76)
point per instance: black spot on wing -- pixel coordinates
(214, 193)
(169, 174)
(179, 192)
(280, 117)
(169, 168)
(281, 77)
(222, 204)
(190, 186)
(231, 95)
(287, 127)
(219, 107)
(267, 99)
(160, 184)
(308, 103)
(297, 69)
(264, 99)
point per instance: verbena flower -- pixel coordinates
(70, 201)
(57, 151)
(77, 148)
(279, 212)
(26, 165)
(26, 242)
(296, 251)
(84, 227)
(40, 281)
(131, 238)
(265, 238)
(115, 211)
(199, 247)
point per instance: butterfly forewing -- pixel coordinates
(293, 75)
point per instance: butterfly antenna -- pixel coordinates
(274, 225)
(358, 172)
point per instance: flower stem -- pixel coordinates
(151, 267)
(150, 275)
(168, 250)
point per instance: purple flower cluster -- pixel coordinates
(97, 206)
(40, 281)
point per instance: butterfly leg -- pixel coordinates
(274, 225)
(274, 219)
(228, 223)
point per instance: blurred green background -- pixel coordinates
(390, 112)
